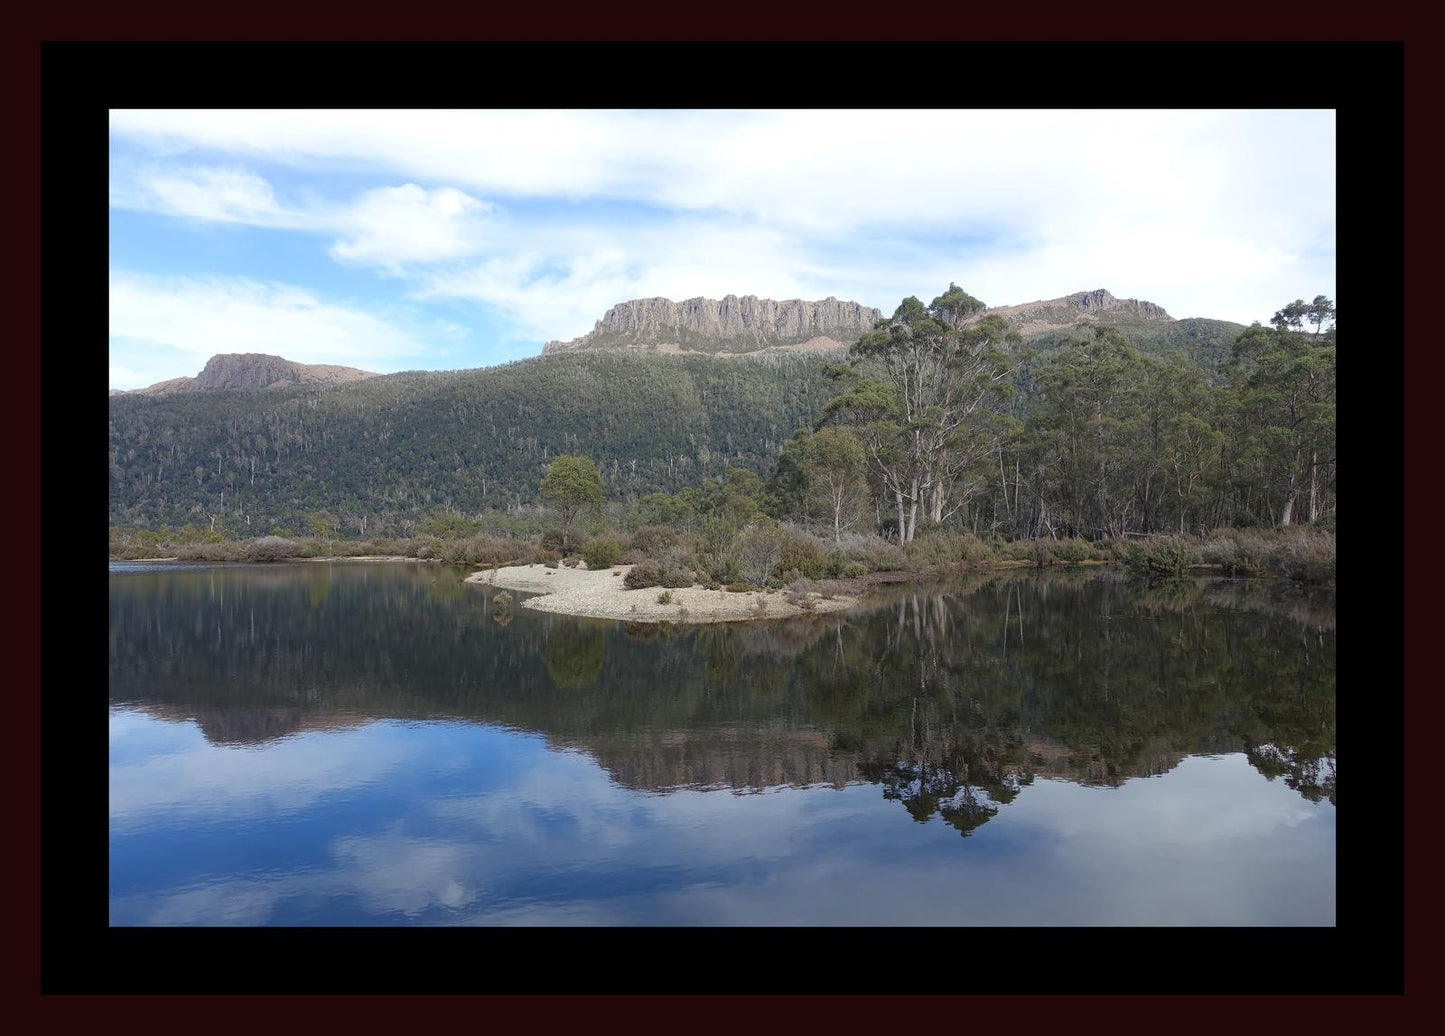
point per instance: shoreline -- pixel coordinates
(601, 594)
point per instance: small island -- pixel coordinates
(604, 594)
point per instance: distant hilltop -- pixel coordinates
(1092, 307)
(731, 324)
(736, 325)
(252, 371)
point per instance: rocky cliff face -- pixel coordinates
(253, 370)
(1095, 307)
(730, 324)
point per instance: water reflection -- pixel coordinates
(951, 698)
(366, 742)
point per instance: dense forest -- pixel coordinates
(936, 418)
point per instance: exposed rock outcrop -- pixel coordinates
(1094, 307)
(251, 371)
(731, 324)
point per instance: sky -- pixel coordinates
(442, 240)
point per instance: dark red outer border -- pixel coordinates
(1130, 21)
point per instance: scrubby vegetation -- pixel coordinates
(972, 450)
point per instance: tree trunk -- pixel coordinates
(1314, 485)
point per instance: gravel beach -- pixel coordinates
(602, 594)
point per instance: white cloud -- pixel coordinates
(204, 316)
(392, 226)
(229, 195)
(1203, 212)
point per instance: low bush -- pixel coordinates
(552, 540)
(1071, 551)
(677, 577)
(271, 548)
(603, 551)
(665, 597)
(642, 575)
(489, 551)
(653, 540)
(1158, 556)
(803, 553)
(944, 549)
(547, 557)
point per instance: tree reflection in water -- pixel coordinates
(952, 698)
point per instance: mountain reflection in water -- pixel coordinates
(953, 699)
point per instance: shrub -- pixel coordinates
(665, 597)
(854, 569)
(756, 550)
(547, 557)
(490, 551)
(1237, 555)
(425, 552)
(739, 588)
(1071, 551)
(760, 607)
(502, 599)
(643, 574)
(1158, 556)
(603, 551)
(677, 577)
(873, 552)
(571, 561)
(803, 553)
(944, 549)
(653, 540)
(552, 540)
(271, 548)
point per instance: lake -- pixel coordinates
(380, 744)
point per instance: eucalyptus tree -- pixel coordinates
(936, 410)
(572, 483)
(1284, 379)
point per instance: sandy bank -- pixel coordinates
(601, 594)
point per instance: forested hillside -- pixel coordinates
(942, 415)
(395, 447)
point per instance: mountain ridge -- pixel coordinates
(732, 324)
(252, 371)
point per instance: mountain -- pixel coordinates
(252, 371)
(403, 444)
(1091, 307)
(645, 395)
(1050, 323)
(727, 325)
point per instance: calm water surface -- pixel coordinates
(356, 744)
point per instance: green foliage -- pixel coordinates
(572, 485)
(1158, 556)
(271, 548)
(942, 549)
(642, 575)
(803, 553)
(665, 597)
(756, 551)
(1071, 551)
(392, 448)
(603, 551)
(677, 577)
